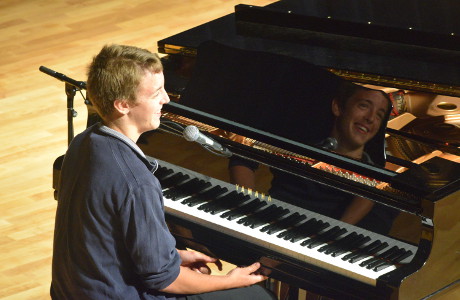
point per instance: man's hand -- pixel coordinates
(245, 276)
(197, 261)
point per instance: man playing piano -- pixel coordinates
(358, 115)
(111, 240)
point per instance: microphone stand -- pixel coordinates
(70, 91)
(71, 87)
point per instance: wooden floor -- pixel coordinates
(62, 35)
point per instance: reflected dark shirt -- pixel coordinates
(322, 199)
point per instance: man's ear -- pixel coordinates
(121, 106)
(335, 107)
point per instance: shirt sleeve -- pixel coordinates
(151, 246)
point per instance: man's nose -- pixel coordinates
(165, 98)
(371, 116)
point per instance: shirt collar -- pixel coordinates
(153, 164)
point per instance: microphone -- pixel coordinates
(62, 77)
(192, 134)
(329, 143)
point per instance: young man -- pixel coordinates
(358, 114)
(111, 240)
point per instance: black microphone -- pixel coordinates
(329, 143)
(192, 134)
(62, 77)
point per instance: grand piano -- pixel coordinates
(258, 84)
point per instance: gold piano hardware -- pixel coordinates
(250, 192)
(398, 82)
(172, 49)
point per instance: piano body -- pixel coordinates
(365, 42)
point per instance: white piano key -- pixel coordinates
(279, 245)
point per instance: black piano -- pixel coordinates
(258, 84)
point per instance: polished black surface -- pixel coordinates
(422, 16)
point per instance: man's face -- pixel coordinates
(151, 95)
(361, 118)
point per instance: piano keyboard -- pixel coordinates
(280, 227)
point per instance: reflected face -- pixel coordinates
(361, 118)
(151, 95)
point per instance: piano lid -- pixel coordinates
(423, 55)
(210, 91)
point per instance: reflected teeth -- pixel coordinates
(363, 128)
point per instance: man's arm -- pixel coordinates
(242, 175)
(358, 209)
(192, 282)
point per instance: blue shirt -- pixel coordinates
(111, 240)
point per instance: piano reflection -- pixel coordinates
(261, 82)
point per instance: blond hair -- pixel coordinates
(115, 74)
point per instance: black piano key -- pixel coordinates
(305, 230)
(206, 196)
(354, 245)
(186, 188)
(175, 179)
(294, 231)
(254, 218)
(370, 263)
(364, 252)
(213, 203)
(229, 201)
(275, 216)
(403, 256)
(163, 172)
(245, 209)
(327, 249)
(283, 224)
(324, 237)
(372, 252)
(392, 259)
(272, 215)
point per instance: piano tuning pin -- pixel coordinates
(269, 198)
(249, 191)
(256, 194)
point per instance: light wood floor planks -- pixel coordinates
(63, 36)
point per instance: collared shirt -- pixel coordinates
(111, 239)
